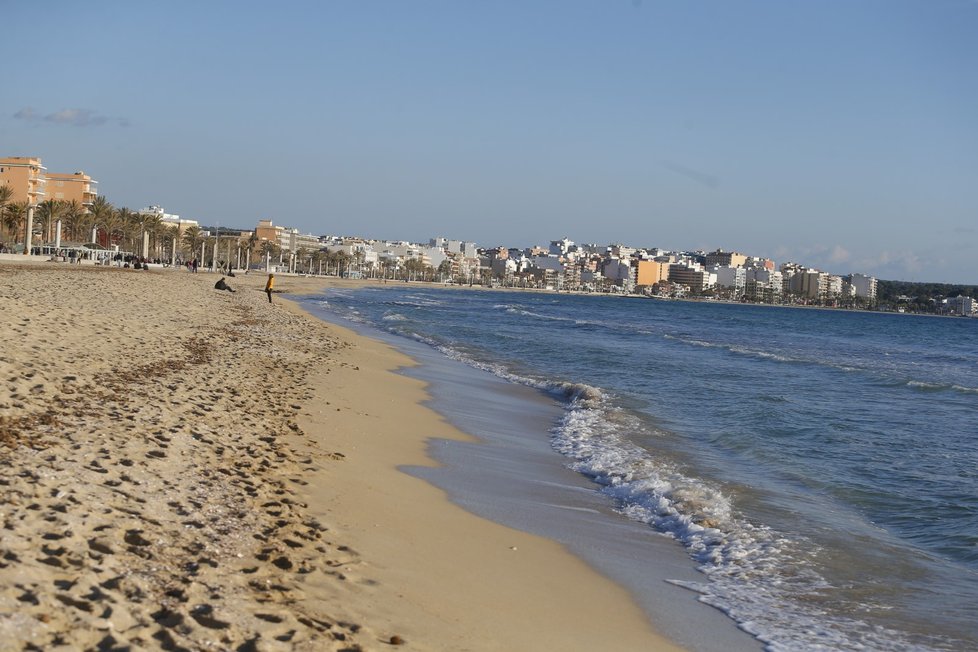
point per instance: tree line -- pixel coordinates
(892, 291)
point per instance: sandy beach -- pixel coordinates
(184, 468)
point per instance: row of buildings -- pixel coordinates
(31, 182)
(563, 265)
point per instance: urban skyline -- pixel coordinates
(75, 224)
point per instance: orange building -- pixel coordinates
(25, 176)
(71, 187)
(31, 182)
(650, 272)
(275, 234)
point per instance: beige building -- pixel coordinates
(71, 187)
(25, 176)
(286, 238)
(31, 182)
(266, 230)
(650, 272)
(725, 259)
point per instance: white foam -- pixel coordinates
(751, 572)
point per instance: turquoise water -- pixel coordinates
(820, 468)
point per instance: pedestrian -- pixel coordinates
(269, 284)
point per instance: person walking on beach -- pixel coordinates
(269, 284)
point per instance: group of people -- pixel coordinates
(269, 286)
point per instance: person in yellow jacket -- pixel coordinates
(269, 284)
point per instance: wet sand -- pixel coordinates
(184, 468)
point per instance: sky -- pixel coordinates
(840, 134)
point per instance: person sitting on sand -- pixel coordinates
(221, 285)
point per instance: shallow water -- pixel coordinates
(818, 468)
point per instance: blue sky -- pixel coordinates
(842, 134)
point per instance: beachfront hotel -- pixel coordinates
(26, 177)
(286, 238)
(32, 183)
(77, 186)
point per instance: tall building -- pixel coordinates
(691, 275)
(25, 176)
(560, 247)
(287, 239)
(650, 272)
(31, 182)
(734, 278)
(77, 187)
(725, 259)
(266, 230)
(863, 286)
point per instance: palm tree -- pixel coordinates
(210, 249)
(16, 218)
(6, 194)
(47, 214)
(171, 234)
(152, 223)
(109, 226)
(268, 248)
(250, 247)
(301, 254)
(124, 226)
(342, 261)
(100, 212)
(141, 223)
(192, 238)
(72, 213)
(316, 260)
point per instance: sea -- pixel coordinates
(808, 477)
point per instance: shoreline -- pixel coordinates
(460, 579)
(191, 468)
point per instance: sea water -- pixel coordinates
(818, 468)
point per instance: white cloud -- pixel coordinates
(839, 254)
(72, 117)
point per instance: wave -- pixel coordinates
(940, 387)
(754, 574)
(763, 355)
(519, 310)
(882, 374)
(415, 304)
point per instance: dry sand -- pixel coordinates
(183, 468)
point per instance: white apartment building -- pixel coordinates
(734, 278)
(833, 286)
(863, 286)
(809, 283)
(959, 305)
(170, 220)
(560, 247)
